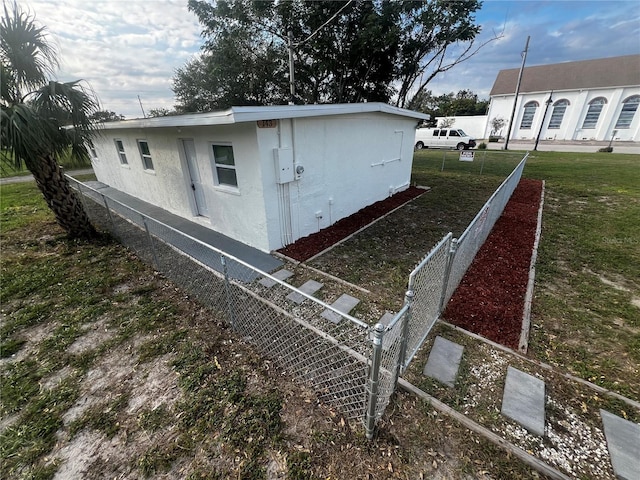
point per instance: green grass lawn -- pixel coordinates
(586, 311)
(109, 369)
(216, 409)
(7, 168)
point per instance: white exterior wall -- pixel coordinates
(238, 213)
(473, 125)
(571, 126)
(350, 161)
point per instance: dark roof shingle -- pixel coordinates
(598, 73)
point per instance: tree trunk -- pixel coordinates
(61, 198)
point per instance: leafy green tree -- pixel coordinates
(465, 102)
(102, 116)
(161, 112)
(41, 118)
(344, 51)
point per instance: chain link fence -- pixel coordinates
(435, 279)
(285, 323)
(468, 244)
(473, 162)
(349, 364)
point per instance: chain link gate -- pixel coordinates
(350, 365)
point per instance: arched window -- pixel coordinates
(558, 113)
(593, 114)
(629, 107)
(527, 116)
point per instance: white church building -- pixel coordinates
(585, 100)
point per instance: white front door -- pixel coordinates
(194, 177)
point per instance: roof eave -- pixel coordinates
(252, 114)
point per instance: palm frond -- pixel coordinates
(69, 106)
(24, 135)
(25, 51)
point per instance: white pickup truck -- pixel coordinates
(443, 138)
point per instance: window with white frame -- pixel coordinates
(559, 109)
(145, 154)
(629, 107)
(121, 154)
(225, 165)
(593, 114)
(91, 149)
(527, 117)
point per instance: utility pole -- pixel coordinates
(292, 88)
(515, 100)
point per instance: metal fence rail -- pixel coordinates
(467, 246)
(435, 279)
(332, 358)
(349, 364)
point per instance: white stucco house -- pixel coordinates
(265, 176)
(585, 100)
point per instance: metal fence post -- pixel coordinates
(227, 290)
(374, 377)
(153, 249)
(447, 273)
(408, 300)
(106, 205)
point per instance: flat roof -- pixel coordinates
(272, 112)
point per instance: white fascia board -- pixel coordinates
(252, 114)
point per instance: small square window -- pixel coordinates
(145, 153)
(225, 165)
(91, 149)
(121, 155)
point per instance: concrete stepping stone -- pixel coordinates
(310, 287)
(344, 304)
(280, 275)
(623, 442)
(523, 400)
(444, 361)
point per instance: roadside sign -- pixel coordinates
(466, 155)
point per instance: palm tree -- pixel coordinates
(40, 118)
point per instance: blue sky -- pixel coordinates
(131, 48)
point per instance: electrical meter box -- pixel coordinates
(284, 165)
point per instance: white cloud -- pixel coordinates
(122, 48)
(560, 31)
(126, 48)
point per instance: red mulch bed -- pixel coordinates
(315, 243)
(490, 298)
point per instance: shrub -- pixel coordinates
(606, 149)
(482, 146)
